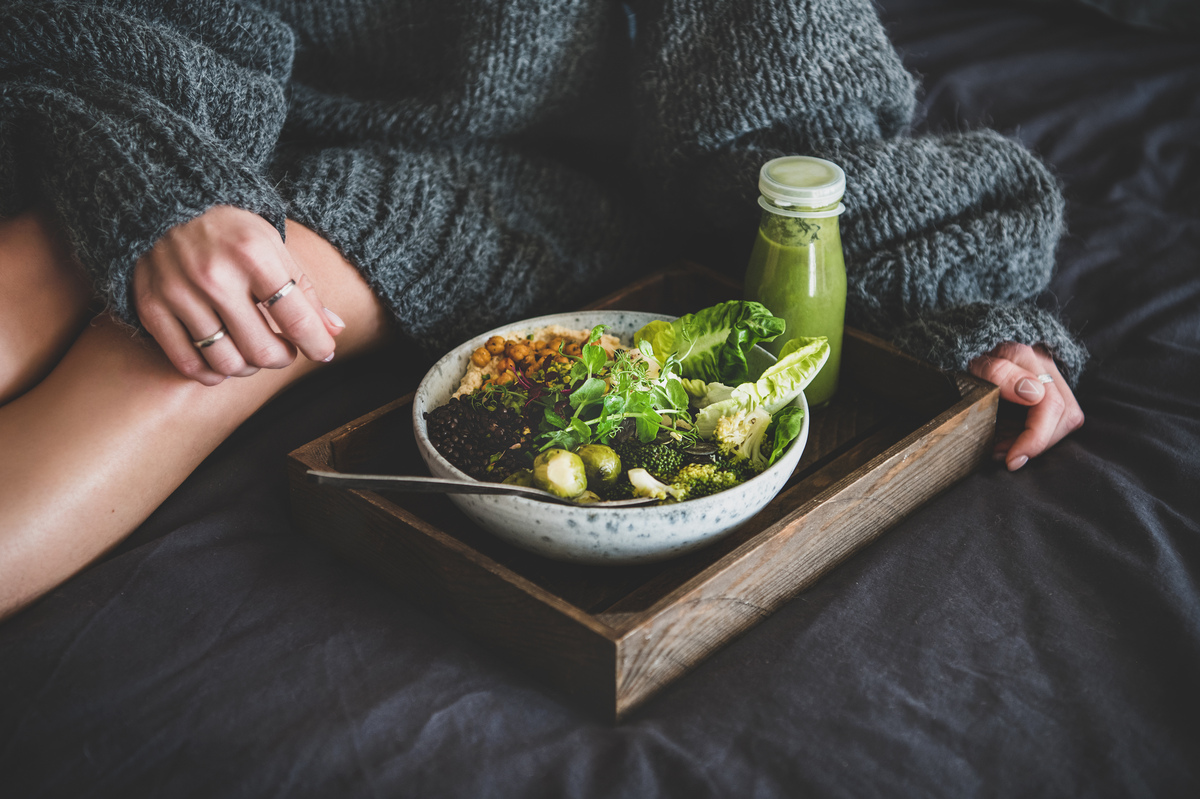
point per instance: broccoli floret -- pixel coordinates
(661, 458)
(697, 480)
(644, 485)
(740, 437)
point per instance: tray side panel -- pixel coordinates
(446, 579)
(753, 582)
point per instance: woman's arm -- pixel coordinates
(948, 238)
(143, 127)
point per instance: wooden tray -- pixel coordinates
(899, 432)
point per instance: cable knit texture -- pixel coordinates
(480, 161)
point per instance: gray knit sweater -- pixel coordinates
(480, 161)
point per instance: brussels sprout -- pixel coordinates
(588, 497)
(601, 463)
(560, 472)
(521, 478)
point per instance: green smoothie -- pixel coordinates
(797, 270)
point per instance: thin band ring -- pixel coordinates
(279, 295)
(1045, 379)
(208, 342)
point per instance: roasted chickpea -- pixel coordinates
(481, 357)
(517, 350)
(495, 345)
(574, 349)
(505, 365)
(504, 378)
(554, 344)
(535, 367)
(561, 359)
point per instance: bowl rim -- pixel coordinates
(712, 500)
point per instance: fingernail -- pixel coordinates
(329, 358)
(1029, 389)
(1017, 462)
(337, 320)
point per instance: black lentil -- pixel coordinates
(486, 444)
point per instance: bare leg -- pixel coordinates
(98, 444)
(43, 302)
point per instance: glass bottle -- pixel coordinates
(796, 267)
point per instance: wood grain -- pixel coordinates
(755, 579)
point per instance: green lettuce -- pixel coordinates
(781, 383)
(785, 427)
(712, 344)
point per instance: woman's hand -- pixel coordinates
(198, 293)
(1021, 372)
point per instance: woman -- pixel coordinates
(215, 172)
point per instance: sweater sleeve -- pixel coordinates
(460, 237)
(722, 87)
(948, 238)
(124, 118)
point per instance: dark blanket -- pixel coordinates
(1035, 633)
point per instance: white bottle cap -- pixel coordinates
(802, 180)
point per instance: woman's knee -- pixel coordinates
(341, 289)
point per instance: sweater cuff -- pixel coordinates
(121, 169)
(940, 221)
(952, 338)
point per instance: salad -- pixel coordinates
(675, 416)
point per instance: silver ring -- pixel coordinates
(279, 295)
(1045, 379)
(208, 342)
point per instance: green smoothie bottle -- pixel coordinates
(796, 267)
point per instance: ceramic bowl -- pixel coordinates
(594, 534)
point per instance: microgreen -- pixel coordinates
(494, 395)
(605, 393)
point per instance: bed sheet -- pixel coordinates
(1032, 634)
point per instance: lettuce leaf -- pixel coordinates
(785, 427)
(778, 386)
(712, 344)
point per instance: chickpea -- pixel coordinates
(574, 349)
(518, 350)
(554, 343)
(495, 345)
(505, 365)
(535, 367)
(504, 378)
(561, 359)
(481, 357)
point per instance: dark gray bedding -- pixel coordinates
(1031, 634)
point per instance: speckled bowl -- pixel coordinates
(597, 535)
